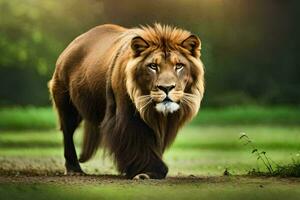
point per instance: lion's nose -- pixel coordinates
(166, 88)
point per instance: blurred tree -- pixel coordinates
(250, 48)
(32, 34)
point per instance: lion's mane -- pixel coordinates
(135, 134)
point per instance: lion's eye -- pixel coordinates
(179, 66)
(153, 66)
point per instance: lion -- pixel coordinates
(133, 88)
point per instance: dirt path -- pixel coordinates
(120, 180)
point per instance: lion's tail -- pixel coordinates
(91, 141)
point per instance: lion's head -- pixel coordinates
(165, 72)
(165, 78)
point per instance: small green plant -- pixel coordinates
(260, 155)
(273, 169)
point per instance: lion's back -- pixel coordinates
(88, 49)
(82, 68)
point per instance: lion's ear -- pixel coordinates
(193, 45)
(138, 45)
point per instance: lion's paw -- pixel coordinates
(141, 177)
(74, 173)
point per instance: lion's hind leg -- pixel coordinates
(69, 120)
(91, 141)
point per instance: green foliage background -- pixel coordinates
(32, 35)
(250, 48)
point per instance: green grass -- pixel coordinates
(32, 118)
(233, 189)
(197, 160)
(248, 115)
(27, 118)
(31, 159)
(198, 150)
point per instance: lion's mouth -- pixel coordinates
(167, 106)
(166, 100)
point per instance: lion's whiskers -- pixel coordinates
(189, 95)
(146, 104)
(189, 99)
(143, 102)
(144, 97)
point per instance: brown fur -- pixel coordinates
(102, 78)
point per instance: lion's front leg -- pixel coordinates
(136, 155)
(132, 143)
(134, 147)
(154, 169)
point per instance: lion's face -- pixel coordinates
(165, 77)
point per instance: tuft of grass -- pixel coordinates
(290, 170)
